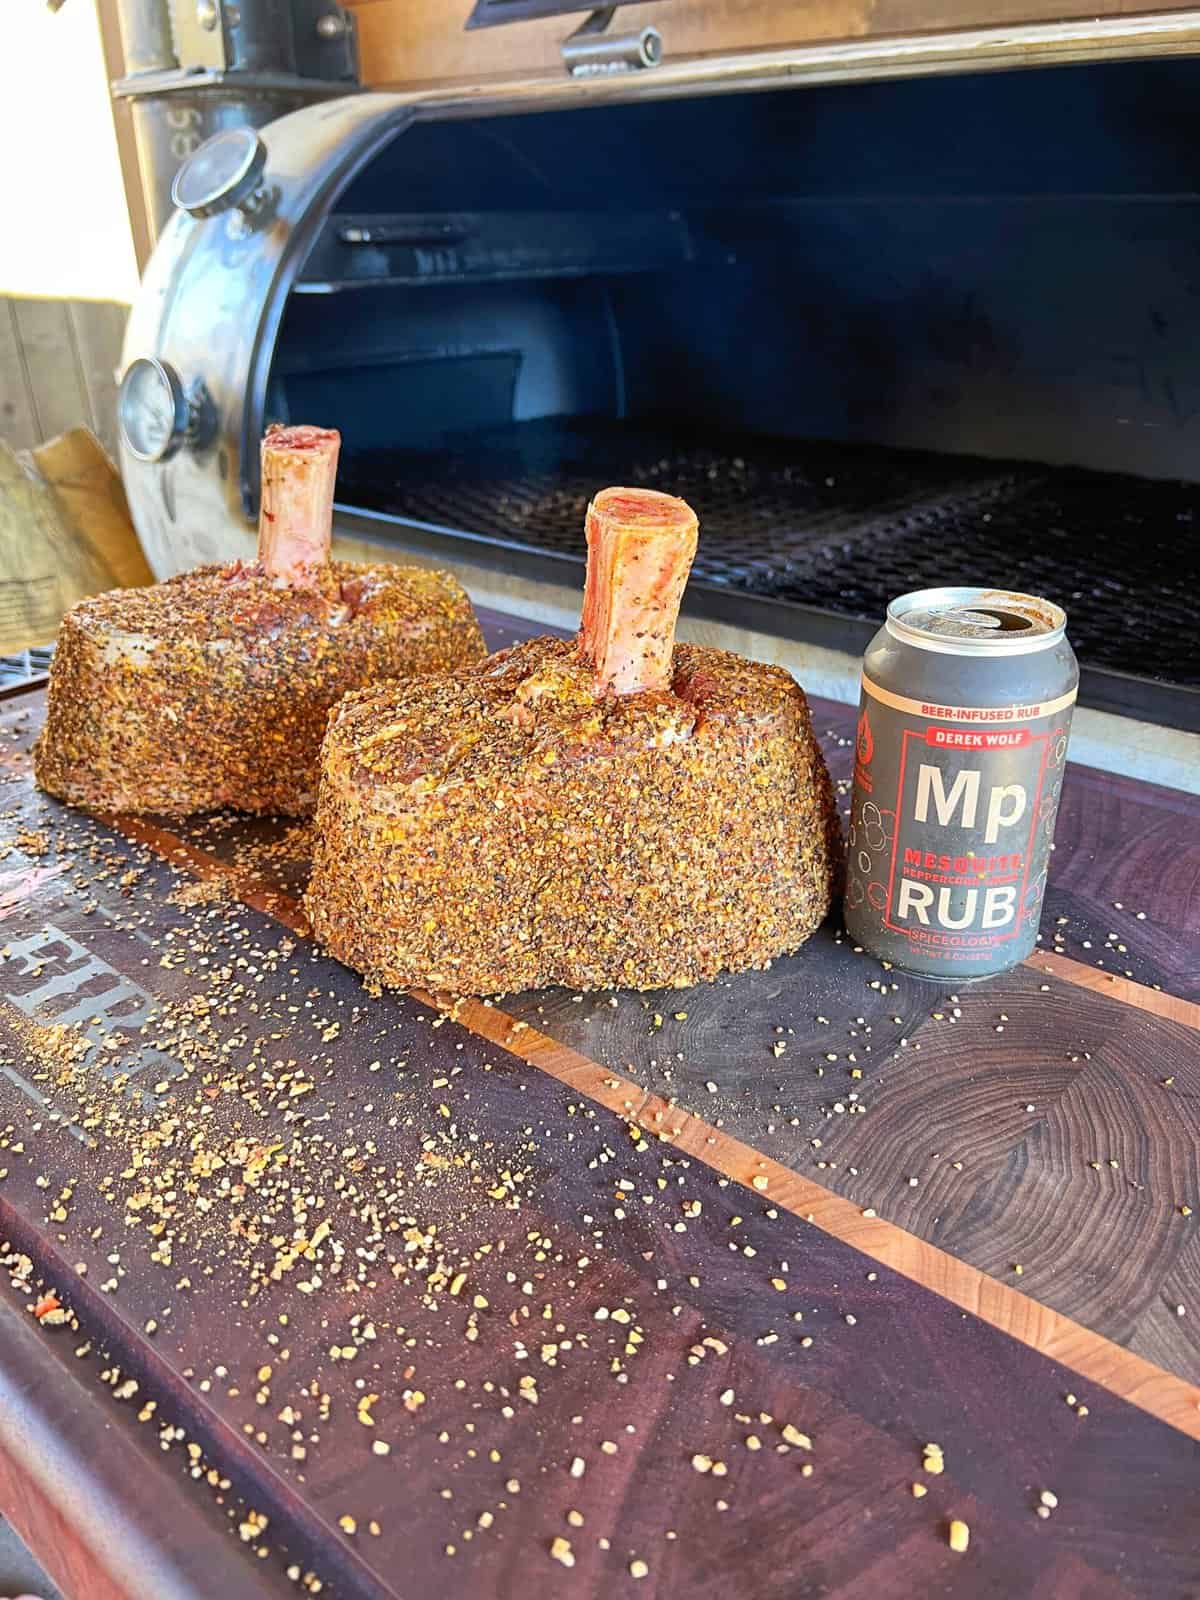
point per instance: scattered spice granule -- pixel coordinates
(560, 1551)
(792, 1435)
(919, 1491)
(959, 1536)
(252, 1527)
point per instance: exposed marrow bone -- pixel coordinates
(640, 549)
(295, 520)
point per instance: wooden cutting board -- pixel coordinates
(662, 1276)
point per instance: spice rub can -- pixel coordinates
(960, 750)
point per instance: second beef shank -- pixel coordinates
(212, 689)
(613, 810)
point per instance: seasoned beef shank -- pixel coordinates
(613, 810)
(213, 689)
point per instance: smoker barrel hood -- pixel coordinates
(504, 298)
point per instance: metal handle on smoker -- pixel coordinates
(591, 50)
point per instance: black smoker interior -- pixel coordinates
(882, 335)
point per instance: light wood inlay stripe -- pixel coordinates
(273, 903)
(1115, 987)
(1091, 1356)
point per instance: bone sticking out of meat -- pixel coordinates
(213, 688)
(613, 810)
(295, 518)
(641, 545)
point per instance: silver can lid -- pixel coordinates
(976, 622)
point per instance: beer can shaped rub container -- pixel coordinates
(960, 751)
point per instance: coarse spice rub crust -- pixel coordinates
(213, 688)
(508, 826)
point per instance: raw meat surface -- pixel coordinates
(528, 821)
(213, 689)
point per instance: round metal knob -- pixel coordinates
(152, 409)
(224, 172)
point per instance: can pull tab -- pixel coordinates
(1005, 621)
(592, 51)
(977, 619)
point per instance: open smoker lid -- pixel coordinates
(803, 536)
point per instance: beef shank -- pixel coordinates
(213, 688)
(616, 809)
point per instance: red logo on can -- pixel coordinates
(864, 749)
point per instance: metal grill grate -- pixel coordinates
(843, 527)
(25, 666)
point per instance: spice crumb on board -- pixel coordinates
(560, 1551)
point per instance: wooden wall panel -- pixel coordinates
(18, 421)
(423, 41)
(58, 369)
(52, 364)
(98, 329)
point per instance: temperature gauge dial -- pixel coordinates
(152, 409)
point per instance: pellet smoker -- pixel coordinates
(886, 318)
